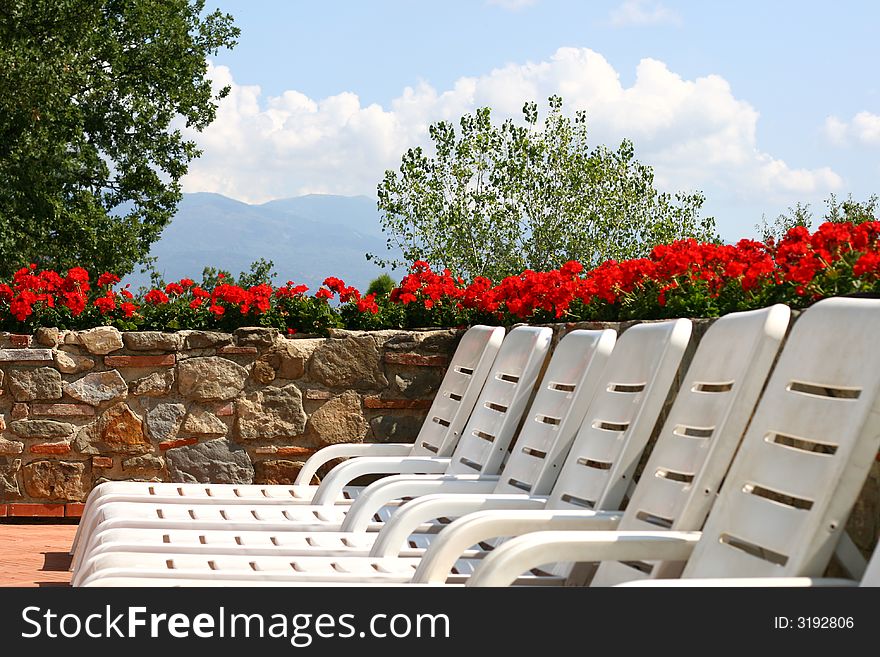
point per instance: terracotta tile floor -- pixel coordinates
(35, 554)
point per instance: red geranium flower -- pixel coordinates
(107, 279)
(156, 297)
(106, 303)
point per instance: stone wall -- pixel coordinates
(81, 407)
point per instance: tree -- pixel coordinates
(381, 285)
(92, 97)
(799, 215)
(848, 211)
(495, 200)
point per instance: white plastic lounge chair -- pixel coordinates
(452, 406)
(785, 502)
(870, 577)
(689, 461)
(620, 420)
(480, 451)
(554, 417)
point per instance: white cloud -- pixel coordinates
(512, 5)
(864, 128)
(695, 133)
(835, 130)
(643, 12)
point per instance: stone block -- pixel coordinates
(25, 355)
(271, 413)
(210, 377)
(98, 387)
(140, 361)
(38, 383)
(55, 480)
(215, 461)
(351, 363)
(152, 341)
(340, 420)
(101, 340)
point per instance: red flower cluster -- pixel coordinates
(348, 293)
(743, 270)
(156, 297)
(521, 296)
(551, 291)
(800, 256)
(426, 286)
(677, 265)
(30, 287)
(682, 277)
(290, 291)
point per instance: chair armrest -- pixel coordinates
(345, 450)
(343, 474)
(504, 564)
(406, 520)
(396, 487)
(470, 530)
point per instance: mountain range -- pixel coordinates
(308, 238)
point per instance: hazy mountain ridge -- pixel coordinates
(307, 237)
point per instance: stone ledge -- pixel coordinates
(140, 361)
(416, 360)
(288, 450)
(40, 510)
(35, 510)
(62, 409)
(50, 448)
(180, 442)
(377, 402)
(231, 350)
(25, 355)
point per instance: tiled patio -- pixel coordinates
(35, 554)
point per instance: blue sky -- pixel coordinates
(757, 104)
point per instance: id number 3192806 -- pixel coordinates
(813, 622)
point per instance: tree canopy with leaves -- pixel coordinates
(495, 200)
(92, 97)
(848, 211)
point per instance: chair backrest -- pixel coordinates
(806, 453)
(701, 433)
(556, 413)
(502, 402)
(619, 421)
(458, 391)
(621, 416)
(871, 576)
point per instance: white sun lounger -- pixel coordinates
(452, 406)
(480, 451)
(870, 577)
(630, 397)
(785, 502)
(691, 456)
(554, 417)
